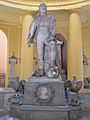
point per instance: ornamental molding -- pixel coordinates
(29, 6)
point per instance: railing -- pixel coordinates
(2, 79)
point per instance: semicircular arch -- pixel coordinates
(3, 55)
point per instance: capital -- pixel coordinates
(71, 11)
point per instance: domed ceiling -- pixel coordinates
(52, 4)
(45, 1)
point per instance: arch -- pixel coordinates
(61, 38)
(3, 55)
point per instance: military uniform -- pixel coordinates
(42, 31)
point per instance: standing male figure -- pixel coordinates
(42, 31)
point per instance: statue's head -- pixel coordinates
(42, 8)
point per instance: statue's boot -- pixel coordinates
(41, 69)
(38, 73)
(53, 56)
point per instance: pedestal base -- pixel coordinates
(44, 99)
(44, 91)
(5, 93)
(31, 112)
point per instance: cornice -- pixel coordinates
(4, 23)
(54, 6)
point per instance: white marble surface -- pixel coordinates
(8, 118)
(6, 90)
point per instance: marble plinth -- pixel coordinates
(44, 91)
(32, 112)
(4, 95)
(44, 99)
(85, 96)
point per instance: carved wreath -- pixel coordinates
(44, 93)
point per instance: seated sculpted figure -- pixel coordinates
(42, 31)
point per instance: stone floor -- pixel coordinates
(4, 115)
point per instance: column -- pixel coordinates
(75, 54)
(88, 47)
(26, 52)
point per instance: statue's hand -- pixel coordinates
(29, 43)
(49, 41)
(29, 40)
(51, 38)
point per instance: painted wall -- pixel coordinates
(62, 28)
(26, 52)
(3, 52)
(14, 44)
(13, 33)
(86, 43)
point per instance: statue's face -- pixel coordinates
(43, 8)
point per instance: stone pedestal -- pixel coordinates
(44, 99)
(4, 95)
(32, 112)
(44, 91)
(86, 99)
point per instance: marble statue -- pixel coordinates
(46, 95)
(42, 31)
